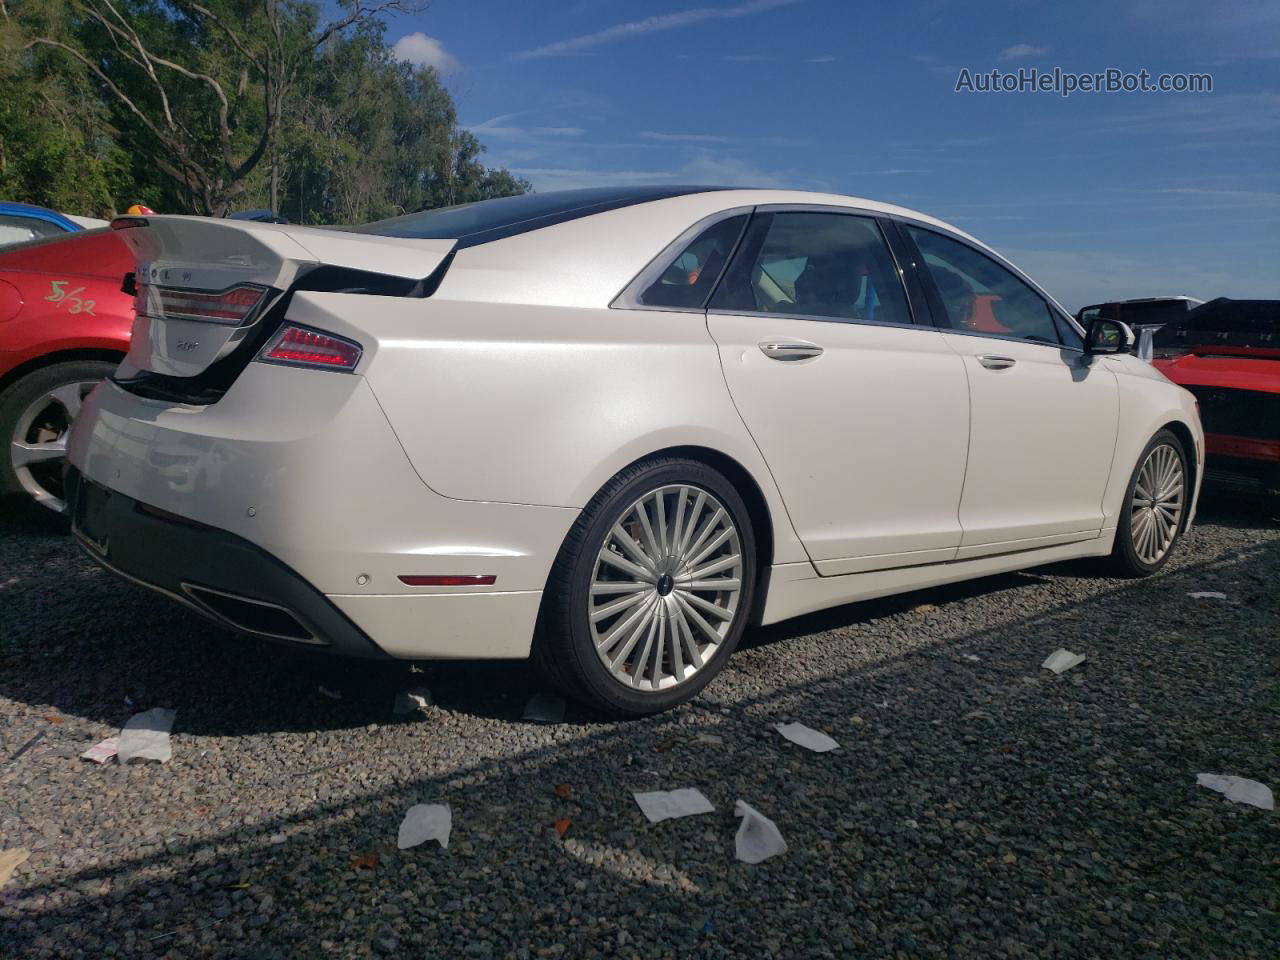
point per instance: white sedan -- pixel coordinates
(608, 428)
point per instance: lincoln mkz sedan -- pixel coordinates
(608, 428)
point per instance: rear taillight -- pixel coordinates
(232, 306)
(301, 347)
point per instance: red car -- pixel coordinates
(1227, 352)
(64, 325)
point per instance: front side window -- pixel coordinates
(832, 266)
(14, 230)
(689, 278)
(979, 295)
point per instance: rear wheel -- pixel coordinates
(1154, 508)
(651, 590)
(36, 413)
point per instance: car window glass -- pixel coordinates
(981, 296)
(829, 265)
(689, 278)
(21, 229)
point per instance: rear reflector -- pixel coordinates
(448, 580)
(301, 347)
(231, 306)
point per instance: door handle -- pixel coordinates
(996, 363)
(790, 349)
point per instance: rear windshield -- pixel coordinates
(484, 220)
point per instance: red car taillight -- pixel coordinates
(231, 306)
(301, 347)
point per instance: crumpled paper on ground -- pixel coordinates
(407, 701)
(423, 822)
(1062, 660)
(1207, 595)
(1239, 789)
(146, 736)
(10, 860)
(758, 837)
(807, 737)
(544, 708)
(102, 752)
(659, 805)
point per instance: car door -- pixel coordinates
(860, 413)
(1043, 414)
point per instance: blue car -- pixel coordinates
(20, 222)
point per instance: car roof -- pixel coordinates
(495, 219)
(14, 208)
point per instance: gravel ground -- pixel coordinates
(976, 807)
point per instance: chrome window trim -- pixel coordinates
(629, 298)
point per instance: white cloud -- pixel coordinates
(685, 137)
(424, 51)
(1021, 50)
(655, 24)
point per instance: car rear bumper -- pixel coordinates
(292, 500)
(215, 573)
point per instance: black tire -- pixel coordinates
(1125, 560)
(564, 651)
(19, 396)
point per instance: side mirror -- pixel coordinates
(1109, 336)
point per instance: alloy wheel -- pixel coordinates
(665, 588)
(38, 447)
(1156, 508)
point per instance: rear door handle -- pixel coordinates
(996, 363)
(790, 349)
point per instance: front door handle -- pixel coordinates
(790, 349)
(996, 363)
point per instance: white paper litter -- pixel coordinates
(659, 805)
(1207, 595)
(544, 708)
(423, 822)
(972, 656)
(102, 752)
(146, 736)
(407, 701)
(1239, 790)
(807, 737)
(1062, 660)
(330, 693)
(758, 837)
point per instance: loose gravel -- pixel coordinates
(976, 807)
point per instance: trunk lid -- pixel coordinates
(204, 287)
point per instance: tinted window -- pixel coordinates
(829, 265)
(692, 275)
(981, 296)
(506, 216)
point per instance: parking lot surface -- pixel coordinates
(977, 806)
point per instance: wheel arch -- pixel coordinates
(9, 377)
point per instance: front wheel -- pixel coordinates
(36, 413)
(1155, 504)
(651, 589)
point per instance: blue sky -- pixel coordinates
(1097, 195)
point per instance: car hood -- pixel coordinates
(1239, 373)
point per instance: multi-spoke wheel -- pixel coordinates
(36, 414)
(651, 590)
(1152, 519)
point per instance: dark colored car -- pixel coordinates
(1227, 352)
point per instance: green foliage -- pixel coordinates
(225, 104)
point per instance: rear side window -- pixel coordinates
(980, 296)
(831, 266)
(692, 275)
(15, 229)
